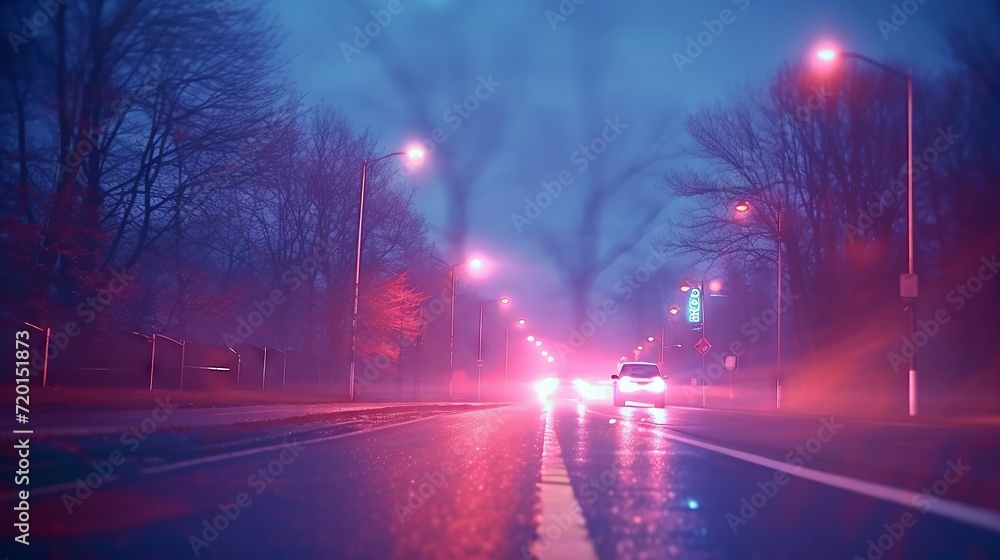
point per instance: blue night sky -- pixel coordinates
(555, 89)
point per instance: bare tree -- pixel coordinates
(815, 153)
(146, 97)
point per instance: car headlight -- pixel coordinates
(545, 387)
(658, 385)
(582, 386)
(626, 385)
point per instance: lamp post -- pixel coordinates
(415, 154)
(474, 263)
(743, 207)
(686, 286)
(506, 355)
(662, 348)
(907, 282)
(659, 353)
(672, 310)
(479, 359)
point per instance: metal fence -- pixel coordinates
(95, 358)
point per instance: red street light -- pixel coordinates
(744, 207)
(415, 154)
(474, 263)
(674, 310)
(908, 281)
(479, 359)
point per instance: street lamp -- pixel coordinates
(506, 355)
(474, 263)
(743, 207)
(415, 155)
(479, 360)
(907, 282)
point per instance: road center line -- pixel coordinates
(972, 515)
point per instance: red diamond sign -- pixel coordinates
(703, 346)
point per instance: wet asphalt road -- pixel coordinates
(495, 483)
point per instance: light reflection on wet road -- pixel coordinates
(468, 486)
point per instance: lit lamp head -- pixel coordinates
(416, 154)
(826, 54)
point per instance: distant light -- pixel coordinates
(505, 300)
(531, 338)
(521, 321)
(742, 206)
(715, 285)
(545, 352)
(650, 339)
(685, 287)
(639, 347)
(827, 54)
(692, 504)
(538, 343)
(551, 359)
(476, 263)
(674, 310)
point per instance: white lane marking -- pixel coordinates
(192, 417)
(254, 451)
(562, 530)
(958, 511)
